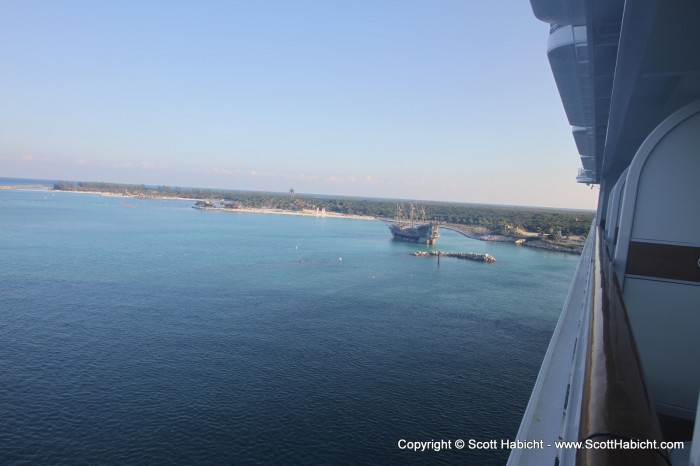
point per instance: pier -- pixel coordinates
(459, 255)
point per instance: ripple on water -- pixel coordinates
(153, 335)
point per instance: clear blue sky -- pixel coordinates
(431, 99)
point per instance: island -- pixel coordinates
(557, 230)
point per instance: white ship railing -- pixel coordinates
(590, 385)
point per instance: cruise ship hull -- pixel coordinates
(623, 364)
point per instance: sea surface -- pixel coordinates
(146, 331)
(24, 181)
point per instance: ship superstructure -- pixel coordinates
(623, 364)
(415, 230)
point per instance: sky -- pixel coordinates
(447, 100)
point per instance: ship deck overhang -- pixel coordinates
(637, 65)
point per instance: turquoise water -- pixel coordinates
(147, 331)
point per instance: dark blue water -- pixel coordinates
(145, 331)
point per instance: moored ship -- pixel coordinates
(422, 232)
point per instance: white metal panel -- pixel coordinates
(660, 205)
(678, 142)
(666, 331)
(669, 188)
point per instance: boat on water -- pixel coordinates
(416, 231)
(621, 375)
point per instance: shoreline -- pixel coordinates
(301, 213)
(529, 240)
(129, 196)
(26, 186)
(247, 210)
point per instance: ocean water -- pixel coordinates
(145, 331)
(23, 181)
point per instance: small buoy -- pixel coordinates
(340, 259)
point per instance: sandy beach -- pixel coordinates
(127, 196)
(25, 186)
(473, 232)
(304, 213)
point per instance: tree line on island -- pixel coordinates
(497, 220)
